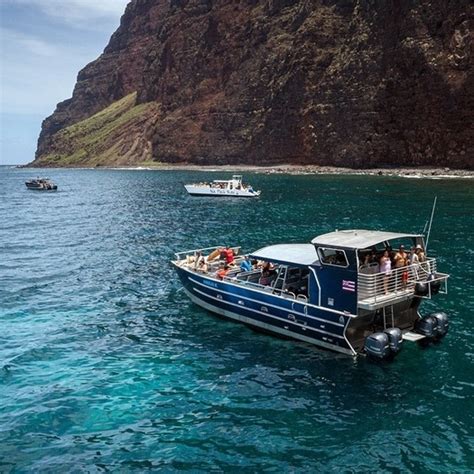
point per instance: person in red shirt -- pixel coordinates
(229, 256)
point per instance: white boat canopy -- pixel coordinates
(287, 254)
(358, 238)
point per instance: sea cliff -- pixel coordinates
(358, 84)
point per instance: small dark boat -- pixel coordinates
(41, 184)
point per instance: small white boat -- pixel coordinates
(231, 188)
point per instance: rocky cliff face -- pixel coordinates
(356, 83)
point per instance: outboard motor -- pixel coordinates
(428, 326)
(421, 288)
(443, 323)
(377, 345)
(394, 339)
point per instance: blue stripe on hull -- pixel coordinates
(267, 311)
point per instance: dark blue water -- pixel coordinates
(105, 365)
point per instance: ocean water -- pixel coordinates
(106, 365)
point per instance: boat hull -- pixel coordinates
(264, 311)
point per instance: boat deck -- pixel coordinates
(378, 301)
(376, 290)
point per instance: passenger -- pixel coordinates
(421, 254)
(223, 253)
(414, 262)
(229, 256)
(386, 269)
(202, 265)
(365, 264)
(401, 260)
(223, 272)
(246, 264)
(197, 258)
(400, 257)
(267, 272)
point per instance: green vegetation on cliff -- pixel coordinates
(105, 138)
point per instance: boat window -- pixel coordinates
(332, 257)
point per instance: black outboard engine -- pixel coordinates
(377, 345)
(443, 323)
(428, 326)
(421, 289)
(394, 339)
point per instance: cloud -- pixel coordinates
(85, 12)
(43, 45)
(23, 41)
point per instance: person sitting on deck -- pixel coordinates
(246, 264)
(267, 273)
(202, 265)
(223, 272)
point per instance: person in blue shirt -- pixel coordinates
(246, 265)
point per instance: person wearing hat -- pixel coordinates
(420, 253)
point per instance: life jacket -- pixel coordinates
(229, 255)
(222, 273)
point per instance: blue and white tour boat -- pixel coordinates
(337, 292)
(224, 188)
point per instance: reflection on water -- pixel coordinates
(104, 363)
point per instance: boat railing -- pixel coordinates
(243, 279)
(377, 287)
(186, 255)
(192, 253)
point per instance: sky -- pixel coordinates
(43, 45)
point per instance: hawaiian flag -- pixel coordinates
(348, 285)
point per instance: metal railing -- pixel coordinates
(188, 253)
(372, 284)
(267, 288)
(206, 251)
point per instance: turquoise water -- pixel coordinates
(105, 364)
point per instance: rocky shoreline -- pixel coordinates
(313, 169)
(302, 170)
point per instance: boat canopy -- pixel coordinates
(236, 177)
(287, 254)
(358, 238)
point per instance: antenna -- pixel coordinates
(431, 221)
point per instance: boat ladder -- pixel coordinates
(281, 277)
(388, 313)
